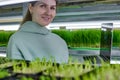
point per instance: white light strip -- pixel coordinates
(9, 2)
(84, 23)
(68, 25)
(9, 27)
(114, 62)
(3, 55)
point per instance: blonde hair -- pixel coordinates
(28, 16)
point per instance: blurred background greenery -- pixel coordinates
(73, 38)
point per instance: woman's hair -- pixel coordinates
(28, 16)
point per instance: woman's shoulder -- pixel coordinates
(57, 37)
(16, 35)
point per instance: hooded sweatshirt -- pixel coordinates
(33, 41)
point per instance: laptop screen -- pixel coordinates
(106, 39)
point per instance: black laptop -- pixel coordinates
(104, 54)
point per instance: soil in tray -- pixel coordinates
(34, 76)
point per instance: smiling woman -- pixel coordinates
(33, 40)
(38, 10)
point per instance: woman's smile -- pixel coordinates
(46, 18)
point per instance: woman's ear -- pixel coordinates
(30, 8)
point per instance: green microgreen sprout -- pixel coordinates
(3, 74)
(33, 67)
(68, 70)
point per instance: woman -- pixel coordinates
(33, 40)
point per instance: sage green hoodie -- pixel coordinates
(33, 41)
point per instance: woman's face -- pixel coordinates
(43, 11)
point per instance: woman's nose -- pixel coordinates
(48, 11)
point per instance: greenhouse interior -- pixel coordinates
(91, 29)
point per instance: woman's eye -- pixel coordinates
(53, 8)
(42, 6)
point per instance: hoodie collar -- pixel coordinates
(34, 27)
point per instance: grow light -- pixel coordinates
(2, 55)
(114, 62)
(9, 2)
